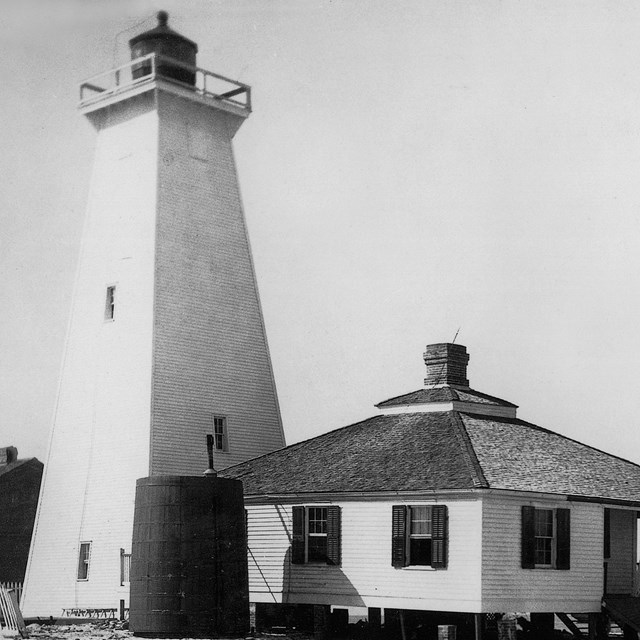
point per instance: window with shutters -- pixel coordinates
(419, 536)
(546, 538)
(316, 535)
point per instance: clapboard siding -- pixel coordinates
(99, 441)
(508, 587)
(621, 563)
(210, 356)
(365, 577)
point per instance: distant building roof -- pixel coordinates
(12, 466)
(439, 447)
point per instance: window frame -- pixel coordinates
(322, 535)
(553, 543)
(110, 303)
(84, 561)
(224, 436)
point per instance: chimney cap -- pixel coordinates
(446, 364)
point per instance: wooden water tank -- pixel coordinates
(189, 558)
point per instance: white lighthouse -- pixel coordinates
(166, 342)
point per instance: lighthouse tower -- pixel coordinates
(166, 342)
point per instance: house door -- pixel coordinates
(620, 535)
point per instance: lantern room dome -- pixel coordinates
(165, 42)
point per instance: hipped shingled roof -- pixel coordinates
(440, 451)
(445, 436)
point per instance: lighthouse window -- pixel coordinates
(220, 441)
(110, 304)
(83, 560)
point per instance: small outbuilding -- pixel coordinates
(19, 488)
(447, 504)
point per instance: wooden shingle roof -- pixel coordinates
(440, 451)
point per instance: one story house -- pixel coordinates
(445, 502)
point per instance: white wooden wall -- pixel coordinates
(508, 587)
(366, 576)
(100, 437)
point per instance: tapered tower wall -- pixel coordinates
(210, 349)
(100, 437)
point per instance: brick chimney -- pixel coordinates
(446, 365)
(8, 455)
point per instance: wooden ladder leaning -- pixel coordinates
(11, 621)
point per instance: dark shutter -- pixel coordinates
(398, 536)
(439, 537)
(297, 544)
(607, 533)
(333, 535)
(563, 538)
(528, 538)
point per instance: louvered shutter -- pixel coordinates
(333, 535)
(563, 539)
(439, 537)
(398, 536)
(297, 544)
(528, 538)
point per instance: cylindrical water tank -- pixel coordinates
(189, 558)
(167, 43)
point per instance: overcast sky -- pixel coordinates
(411, 169)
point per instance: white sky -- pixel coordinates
(410, 168)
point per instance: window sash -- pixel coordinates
(110, 303)
(220, 441)
(84, 556)
(545, 537)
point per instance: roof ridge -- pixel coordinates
(473, 464)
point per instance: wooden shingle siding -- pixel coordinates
(365, 576)
(620, 564)
(506, 586)
(211, 355)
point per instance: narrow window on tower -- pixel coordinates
(83, 560)
(220, 439)
(110, 303)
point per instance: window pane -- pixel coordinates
(543, 551)
(317, 549)
(420, 551)
(544, 522)
(318, 520)
(421, 521)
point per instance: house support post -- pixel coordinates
(321, 621)
(479, 624)
(597, 626)
(374, 617)
(542, 625)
